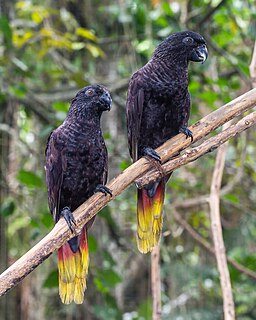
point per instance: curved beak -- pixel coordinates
(200, 54)
(105, 102)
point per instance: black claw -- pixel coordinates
(152, 154)
(188, 133)
(69, 218)
(103, 189)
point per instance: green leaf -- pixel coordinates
(100, 286)
(109, 278)
(7, 208)
(47, 220)
(106, 311)
(85, 33)
(232, 198)
(124, 164)
(18, 90)
(60, 106)
(78, 46)
(145, 310)
(92, 243)
(29, 178)
(52, 280)
(94, 50)
(6, 30)
(108, 258)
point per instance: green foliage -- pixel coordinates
(52, 280)
(6, 31)
(29, 179)
(7, 207)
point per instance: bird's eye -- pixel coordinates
(89, 92)
(188, 40)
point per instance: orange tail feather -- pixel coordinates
(73, 268)
(150, 217)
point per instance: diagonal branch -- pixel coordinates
(193, 154)
(60, 233)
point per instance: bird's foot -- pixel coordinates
(103, 189)
(188, 133)
(69, 218)
(152, 154)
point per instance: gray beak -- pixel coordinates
(200, 54)
(105, 102)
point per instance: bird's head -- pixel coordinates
(185, 45)
(90, 100)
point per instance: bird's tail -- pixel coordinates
(150, 216)
(73, 268)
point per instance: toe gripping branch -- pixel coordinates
(152, 154)
(103, 189)
(69, 218)
(188, 133)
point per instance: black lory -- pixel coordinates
(158, 108)
(76, 166)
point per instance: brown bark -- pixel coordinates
(194, 153)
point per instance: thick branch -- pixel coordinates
(60, 233)
(196, 152)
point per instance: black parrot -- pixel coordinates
(76, 166)
(158, 108)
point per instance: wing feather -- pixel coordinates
(134, 109)
(54, 168)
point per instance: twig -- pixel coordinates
(156, 283)
(210, 13)
(60, 233)
(230, 58)
(204, 199)
(204, 243)
(219, 246)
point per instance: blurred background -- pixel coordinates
(48, 51)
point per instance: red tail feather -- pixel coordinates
(150, 217)
(73, 268)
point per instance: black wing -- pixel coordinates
(54, 168)
(134, 110)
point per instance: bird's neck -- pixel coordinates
(169, 68)
(81, 116)
(84, 122)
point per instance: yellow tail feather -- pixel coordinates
(150, 218)
(73, 268)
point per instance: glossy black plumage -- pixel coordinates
(76, 155)
(158, 107)
(76, 167)
(158, 102)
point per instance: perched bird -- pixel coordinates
(157, 108)
(76, 167)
